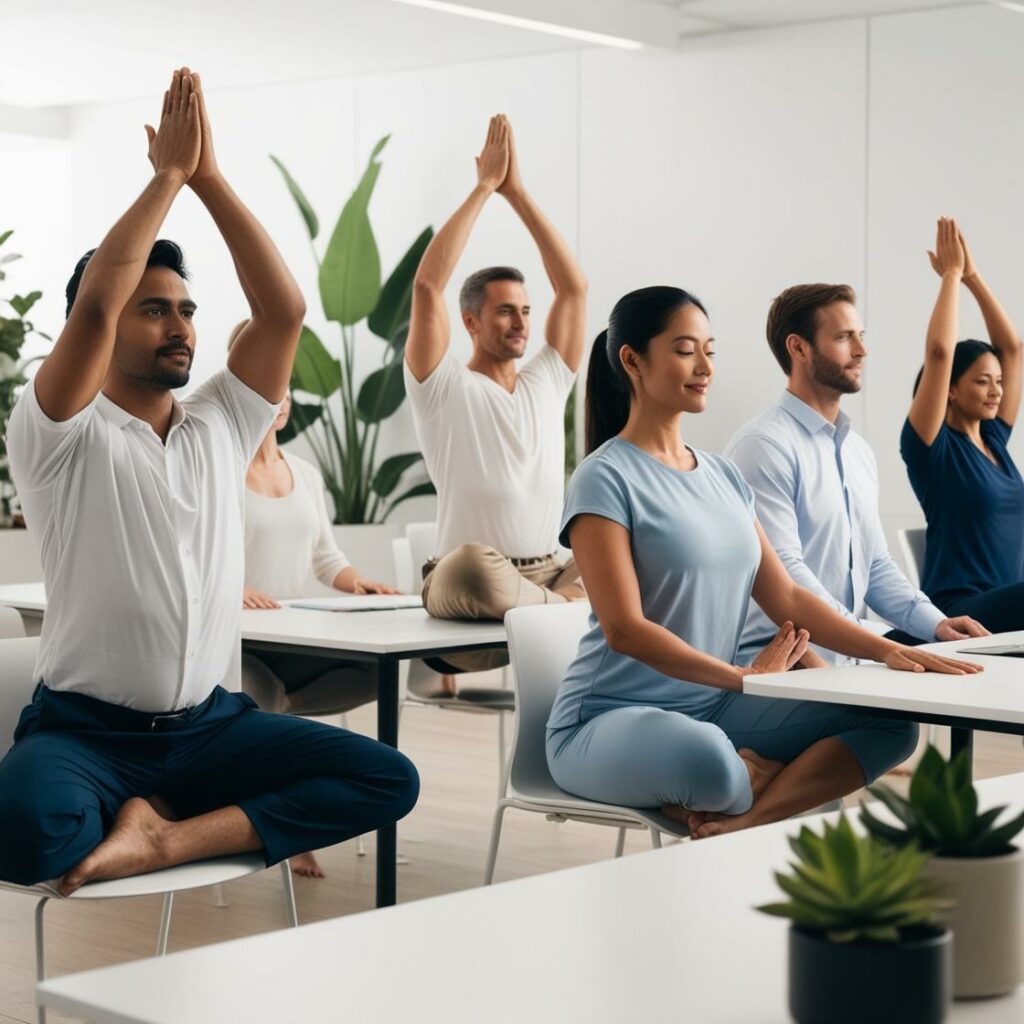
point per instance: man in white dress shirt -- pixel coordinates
(816, 481)
(131, 757)
(492, 436)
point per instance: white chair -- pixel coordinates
(11, 625)
(912, 548)
(422, 682)
(17, 664)
(542, 640)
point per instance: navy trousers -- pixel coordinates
(75, 760)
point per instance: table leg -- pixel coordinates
(962, 739)
(387, 732)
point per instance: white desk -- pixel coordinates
(992, 701)
(381, 638)
(668, 935)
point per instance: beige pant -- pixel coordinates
(477, 582)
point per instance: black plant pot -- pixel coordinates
(906, 982)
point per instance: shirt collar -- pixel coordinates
(811, 420)
(121, 418)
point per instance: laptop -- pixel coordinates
(1003, 651)
(358, 602)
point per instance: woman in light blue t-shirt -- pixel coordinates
(651, 713)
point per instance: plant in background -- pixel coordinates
(941, 815)
(13, 332)
(341, 424)
(850, 887)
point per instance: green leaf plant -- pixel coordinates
(854, 888)
(15, 328)
(341, 424)
(941, 815)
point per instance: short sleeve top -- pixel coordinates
(696, 552)
(974, 509)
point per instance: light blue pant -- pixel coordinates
(647, 756)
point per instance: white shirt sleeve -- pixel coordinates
(247, 415)
(428, 397)
(328, 558)
(38, 448)
(547, 365)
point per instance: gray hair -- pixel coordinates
(474, 289)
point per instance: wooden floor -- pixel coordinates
(445, 841)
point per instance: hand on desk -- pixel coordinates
(961, 628)
(361, 586)
(788, 648)
(911, 659)
(252, 598)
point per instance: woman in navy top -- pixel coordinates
(651, 713)
(954, 444)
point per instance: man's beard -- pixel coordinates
(831, 375)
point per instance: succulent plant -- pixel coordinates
(941, 815)
(852, 887)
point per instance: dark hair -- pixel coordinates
(163, 254)
(795, 311)
(965, 355)
(474, 288)
(636, 319)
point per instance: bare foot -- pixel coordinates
(133, 847)
(162, 807)
(762, 771)
(722, 823)
(306, 865)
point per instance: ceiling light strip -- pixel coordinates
(597, 38)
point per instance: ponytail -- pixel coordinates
(608, 396)
(635, 320)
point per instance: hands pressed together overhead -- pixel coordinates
(183, 142)
(497, 167)
(951, 255)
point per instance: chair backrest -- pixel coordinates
(422, 539)
(11, 625)
(542, 642)
(912, 547)
(405, 576)
(17, 683)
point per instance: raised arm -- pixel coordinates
(262, 355)
(928, 409)
(567, 318)
(1002, 334)
(73, 373)
(429, 331)
(784, 601)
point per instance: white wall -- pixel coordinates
(735, 168)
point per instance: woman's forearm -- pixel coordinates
(833, 631)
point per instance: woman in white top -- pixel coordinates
(288, 544)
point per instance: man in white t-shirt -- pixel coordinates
(131, 757)
(492, 434)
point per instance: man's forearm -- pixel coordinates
(559, 262)
(269, 287)
(446, 247)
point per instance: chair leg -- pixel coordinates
(502, 768)
(219, 897)
(360, 847)
(289, 895)
(655, 838)
(165, 924)
(620, 843)
(40, 956)
(492, 853)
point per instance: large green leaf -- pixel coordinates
(5, 235)
(390, 471)
(305, 208)
(304, 415)
(381, 393)
(394, 307)
(315, 371)
(23, 303)
(350, 272)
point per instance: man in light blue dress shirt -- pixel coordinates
(815, 480)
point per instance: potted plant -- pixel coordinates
(974, 857)
(864, 944)
(14, 329)
(340, 421)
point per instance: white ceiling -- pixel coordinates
(67, 52)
